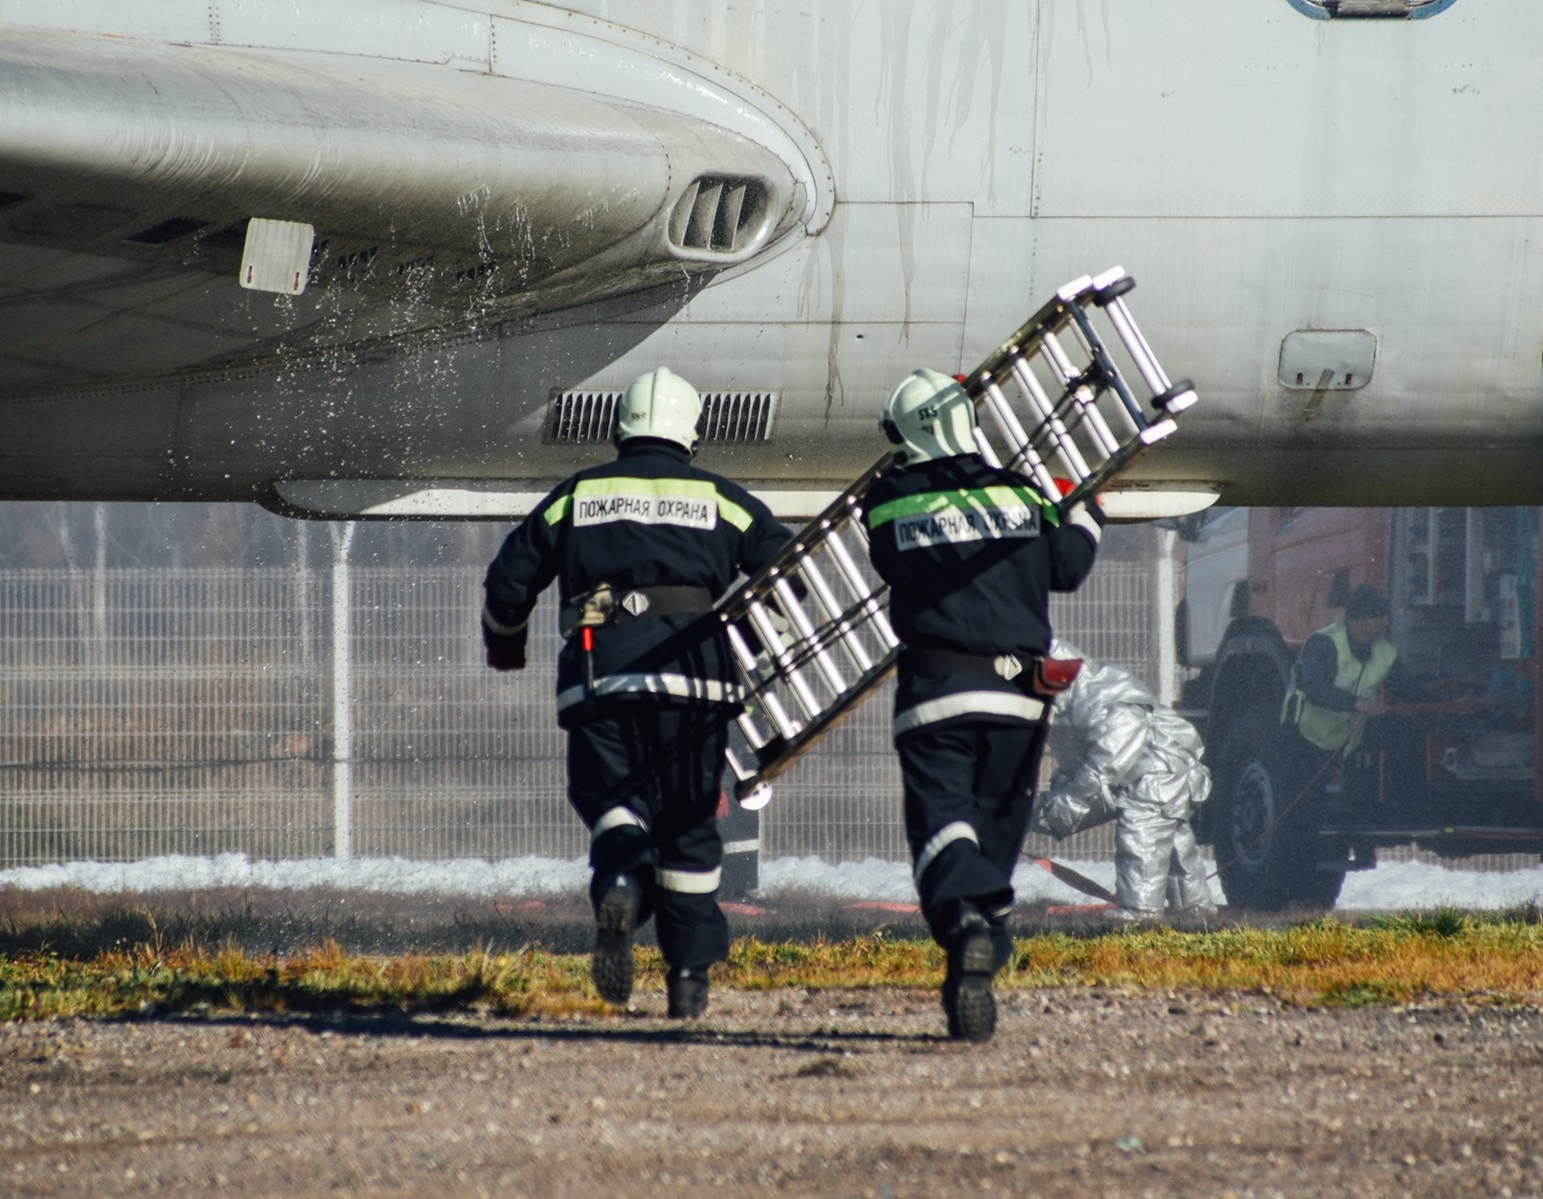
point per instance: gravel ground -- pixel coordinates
(854, 1093)
(786, 1093)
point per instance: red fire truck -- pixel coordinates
(1462, 586)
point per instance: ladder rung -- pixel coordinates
(846, 632)
(1073, 415)
(759, 692)
(810, 636)
(771, 638)
(986, 449)
(1141, 353)
(752, 731)
(1084, 385)
(870, 604)
(1066, 449)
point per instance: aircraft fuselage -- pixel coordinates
(1336, 225)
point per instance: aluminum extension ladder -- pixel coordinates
(1061, 412)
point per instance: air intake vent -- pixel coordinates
(586, 417)
(737, 415)
(719, 217)
(581, 417)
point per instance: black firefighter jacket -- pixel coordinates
(971, 553)
(647, 519)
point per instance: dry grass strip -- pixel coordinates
(1440, 956)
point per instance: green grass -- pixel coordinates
(1436, 956)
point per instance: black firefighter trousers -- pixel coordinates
(969, 792)
(644, 777)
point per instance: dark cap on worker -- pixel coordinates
(1365, 603)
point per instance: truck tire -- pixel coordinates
(1265, 836)
(1318, 888)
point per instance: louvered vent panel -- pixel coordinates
(738, 415)
(719, 216)
(580, 417)
(585, 417)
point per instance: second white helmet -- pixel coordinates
(660, 404)
(930, 416)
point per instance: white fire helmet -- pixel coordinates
(930, 416)
(660, 404)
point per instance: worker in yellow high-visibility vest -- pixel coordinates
(1341, 685)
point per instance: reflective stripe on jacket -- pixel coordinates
(971, 553)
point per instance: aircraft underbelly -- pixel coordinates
(439, 197)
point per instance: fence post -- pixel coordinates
(1167, 603)
(99, 645)
(342, 718)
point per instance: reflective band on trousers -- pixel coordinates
(969, 703)
(941, 840)
(691, 882)
(677, 685)
(616, 818)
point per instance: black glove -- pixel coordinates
(506, 651)
(502, 659)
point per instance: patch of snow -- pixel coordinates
(1392, 886)
(405, 876)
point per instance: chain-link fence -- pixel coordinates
(201, 711)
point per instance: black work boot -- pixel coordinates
(687, 992)
(615, 918)
(967, 999)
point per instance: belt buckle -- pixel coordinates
(635, 602)
(591, 610)
(1007, 666)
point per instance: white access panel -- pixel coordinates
(277, 256)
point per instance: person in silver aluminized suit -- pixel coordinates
(1120, 755)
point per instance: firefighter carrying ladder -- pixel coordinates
(809, 632)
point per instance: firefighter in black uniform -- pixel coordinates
(640, 548)
(971, 553)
